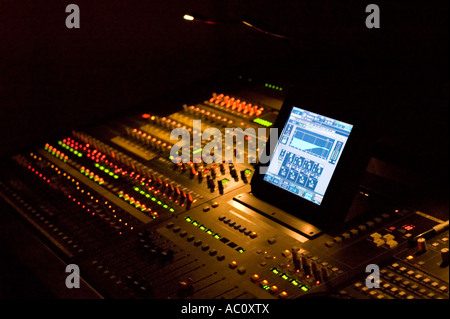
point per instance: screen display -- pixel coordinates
(306, 154)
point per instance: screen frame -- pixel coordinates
(344, 184)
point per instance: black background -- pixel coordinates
(126, 52)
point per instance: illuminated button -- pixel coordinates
(379, 242)
(215, 204)
(418, 276)
(375, 236)
(443, 288)
(426, 280)
(337, 239)
(286, 253)
(401, 294)
(434, 284)
(264, 283)
(410, 297)
(273, 289)
(388, 237)
(253, 235)
(283, 295)
(358, 285)
(392, 243)
(410, 272)
(233, 264)
(254, 278)
(354, 231)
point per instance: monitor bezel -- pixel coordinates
(344, 184)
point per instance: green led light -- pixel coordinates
(171, 209)
(154, 199)
(217, 236)
(188, 219)
(116, 177)
(111, 174)
(137, 189)
(266, 287)
(142, 192)
(225, 181)
(147, 195)
(304, 288)
(209, 232)
(248, 171)
(165, 206)
(263, 122)
(195, 223)
(276, 271)
(171, 157)
(295, 282)
(97, 165)
(285, 276)
(240, 250)
(202, 227)
(106, 170)
(159, 202)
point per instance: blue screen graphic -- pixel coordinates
(307, 153)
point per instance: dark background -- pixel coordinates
(130, 53)
(53, 78)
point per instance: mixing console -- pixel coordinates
(111, 200)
